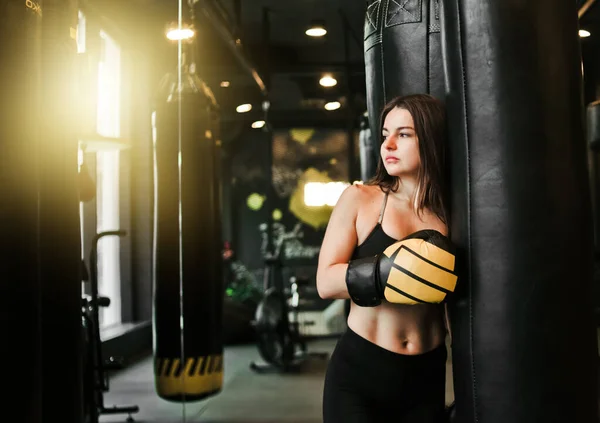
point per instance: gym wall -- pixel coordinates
(300, 155)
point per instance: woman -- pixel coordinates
(389, 366)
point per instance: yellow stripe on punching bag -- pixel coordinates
(202, 376)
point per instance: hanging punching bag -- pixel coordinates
(524, 343)
(593, 125)
(20, 287)
(593, 139)
(402, 53)
(59, 216)
(369, 152)
(188, 293)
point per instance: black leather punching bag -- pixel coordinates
(524, 343)
(188, 294)
(402, 46)
(369, 151)
(20, 286)
(593, 139)
(59, 215)
(593, 125)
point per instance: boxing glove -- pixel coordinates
(415, 270)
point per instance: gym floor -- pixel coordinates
(246, 397)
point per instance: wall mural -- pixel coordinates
(300, 156)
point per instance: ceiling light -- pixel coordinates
(317, 29)
(224, 84)
(333, 105)
(328, 81)
(177, 34)
(583, 33)
(243, 108)
(316, 32)
(258, 124)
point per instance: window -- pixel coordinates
(107, 204)
(107, 178)
(107, 123)
(318, 194)
(80, 153)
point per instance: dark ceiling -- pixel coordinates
(272, 38)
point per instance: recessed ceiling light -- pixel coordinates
(316, 32)
(333, 105)
(243, 108)
(317, 29)
(180, 34)
(583, 33)
(328, 81)
(225, 84)
(258, 124)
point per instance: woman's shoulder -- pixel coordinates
(360, 193)
(358, 199)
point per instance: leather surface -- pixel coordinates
(369, 150)
(419, 269)
(593, 139)
(524, 343)
(187, 267)
(402, 53)
(363, 282)
(593, 125)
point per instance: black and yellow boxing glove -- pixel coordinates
(418, 269)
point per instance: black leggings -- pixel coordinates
(369, 384)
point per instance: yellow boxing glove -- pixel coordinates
(418, 269)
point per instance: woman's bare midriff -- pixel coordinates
(403, 329)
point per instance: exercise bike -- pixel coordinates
(95, 381)
(279, 341)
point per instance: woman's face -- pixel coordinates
(400, 146)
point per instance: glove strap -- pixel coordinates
(362, 283)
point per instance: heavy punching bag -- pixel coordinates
(20, 286)
(593, 125)
(402, 47)
(524, 343)
(188, 294)
(59, 217)
(369, 151)
(593, 138)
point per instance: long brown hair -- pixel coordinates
(430, 127)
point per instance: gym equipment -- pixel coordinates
(593, 125)
(369, 151)
(187, 273)
(278, 337)
(95, 381)
(593, 140)
(402, 44)
(524, 340)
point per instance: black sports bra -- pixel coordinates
(376, 241)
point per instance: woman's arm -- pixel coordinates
(338, 244)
